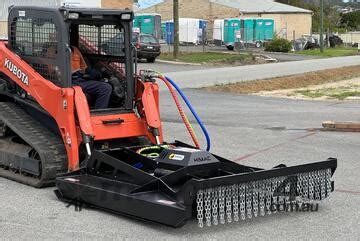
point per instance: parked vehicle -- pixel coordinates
(334, 41)
(306, 42)
(148, 47)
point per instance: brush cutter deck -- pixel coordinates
(182, 183)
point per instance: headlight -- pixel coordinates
(73, 15)
(126, 16)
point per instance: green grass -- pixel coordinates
(331, 52)
(208, 57)
(340, 93)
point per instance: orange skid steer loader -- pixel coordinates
(115, 158)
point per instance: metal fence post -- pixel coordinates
(203, 35)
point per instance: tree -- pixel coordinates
(351, 21)
(331, 20)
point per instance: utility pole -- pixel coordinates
(321, 26)
(176, 28)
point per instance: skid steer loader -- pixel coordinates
(115, 158)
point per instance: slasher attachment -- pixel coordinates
(181, 183)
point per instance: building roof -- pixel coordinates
(260, 6)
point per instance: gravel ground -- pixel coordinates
(269, 131)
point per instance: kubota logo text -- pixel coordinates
(17, 72)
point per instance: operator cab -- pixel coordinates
(43, 37)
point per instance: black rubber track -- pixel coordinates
(49, 146)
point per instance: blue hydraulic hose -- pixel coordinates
(183, 96)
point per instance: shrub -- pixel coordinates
(279, 45)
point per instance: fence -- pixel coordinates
(188, 43)
(193, 35)
(217, 37)
(191, 31)
(350, 38)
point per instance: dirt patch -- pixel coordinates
(229, 62)
(341, 90)
(215, 58)
(291, 82)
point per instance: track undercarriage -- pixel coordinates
(30, 153)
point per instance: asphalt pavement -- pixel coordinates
(256, 131)
(209, 77)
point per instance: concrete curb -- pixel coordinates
(176, 62)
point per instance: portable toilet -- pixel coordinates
(268, 29)
(247, 30)
(218, 33)
(148, 24)
(202, 30)
(259, 30)
(163, 30)
(232, 28)
(202, 24)
(264, 30)
(169, 26)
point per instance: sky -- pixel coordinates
(147, 3)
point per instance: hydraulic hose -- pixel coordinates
(187, 102)
(181, 111)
